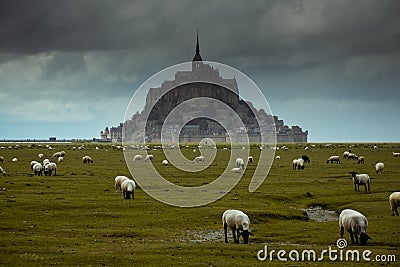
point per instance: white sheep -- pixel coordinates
(2, 171)
(298, 163)
(396, 154)
(165, 162)
(87, 159)
(1, 159)
(40, 156)
(33, 162)
(60, 159)
(238, 222)
(356, 224)
(277, 157)
(118, 181)
(394, 201)
(236, 170)
(198, 159)
(46, 161)
(346, 154)
(49, 168)
(37, 169)
(149, 157)
(361, 160)
(137, 158)
(352, 156)
(332, 159)
(379, 167)
(14, 160)
(240, 163)
(128, 188)
(250, 159)
(360, 179)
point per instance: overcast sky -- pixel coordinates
(70, 68)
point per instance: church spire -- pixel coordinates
(197, 56)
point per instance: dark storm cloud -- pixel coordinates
(74, 50)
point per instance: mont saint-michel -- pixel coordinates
(187, 85)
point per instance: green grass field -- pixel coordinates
(77, 219)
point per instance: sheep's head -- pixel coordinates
(364, 238)
(353, 173)
(245, 234)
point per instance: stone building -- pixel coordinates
(162, 100)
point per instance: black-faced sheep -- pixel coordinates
(87, 159)
(49, 168)
(250, 159)
(379, 167)
(128, 189)
(238, 222)
(298, 164)
(360, 179)
(361, 160)
(394, 201)
(198, 159)
(333, 159)
(356, 224)
(149, 157)
(165, 162)
(118, 181)
(137, 158)
(240, 163)
(37, 169)
(306, 159)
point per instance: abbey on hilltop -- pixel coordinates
(162, 100)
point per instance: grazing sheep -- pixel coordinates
(2, 159)
(49, 168)
(137, 158)
(149, 157)
(240, 163)
(250, 159)
(298, 164)
(306, 159)
(14, 160)
(356, 224)
(118, 181)
(394, 201)
(238, 222)
(346, 154)
(165, 162)
(332, 159)
(236, 170)
(360, 179)
(2, 171)
(56, 155)
(33, 162)
(128, 189)
(379, 167)
(198, 159)
(40, 156)
(87, 159)
(352, 156)
(37, 169)
(277, 157)
(361, 160)
(60, 159)
(396, 154)
(46, 161)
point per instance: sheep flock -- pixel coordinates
(300, 176)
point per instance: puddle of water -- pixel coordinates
(318, 214)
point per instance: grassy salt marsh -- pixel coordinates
(76, 219)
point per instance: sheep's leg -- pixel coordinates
(352, 238)
(226, 232)
(341, 231)
(238, 236)
(395, 210)
(355, 187)
(133, 195)
(368, 185)
(236, 240)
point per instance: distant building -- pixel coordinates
(162, 100)
(114, 134)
